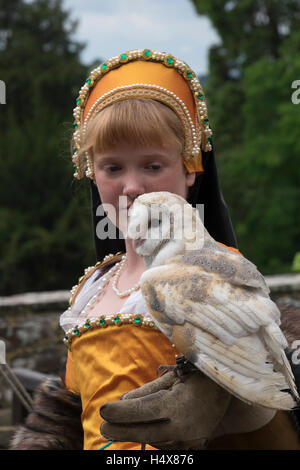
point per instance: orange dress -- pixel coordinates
(105, 363)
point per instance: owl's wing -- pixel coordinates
(228, 265)
(228, 332)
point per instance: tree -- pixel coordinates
(46, 238)
(254, 123)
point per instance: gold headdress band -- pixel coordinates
(145, 74)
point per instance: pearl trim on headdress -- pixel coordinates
(146, 90)
(196, 140)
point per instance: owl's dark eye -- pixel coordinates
(155, 223)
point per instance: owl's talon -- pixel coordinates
(184, 368)
(181, 369)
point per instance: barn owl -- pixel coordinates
(211, 302)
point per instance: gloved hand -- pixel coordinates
(167, 413)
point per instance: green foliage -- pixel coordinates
(256, 125)
(46, 238)
(296, 262)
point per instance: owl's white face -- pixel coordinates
(152, 221)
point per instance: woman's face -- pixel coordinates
(129, 171)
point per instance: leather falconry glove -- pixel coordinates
(168, 413)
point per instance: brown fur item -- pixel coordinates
(54, 423)
(290, 322)
(290, 325)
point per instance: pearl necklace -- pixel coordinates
(115, 279)
(102, 284)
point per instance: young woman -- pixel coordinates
(141, 125)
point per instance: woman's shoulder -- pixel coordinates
(101, 266)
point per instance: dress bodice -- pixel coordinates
(110, 355)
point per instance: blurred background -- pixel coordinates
(247, 56)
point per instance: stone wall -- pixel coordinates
(29, 327)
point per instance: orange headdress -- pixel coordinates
(145, 74)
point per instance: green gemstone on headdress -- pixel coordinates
(75, 125)
(200, 96)
(123, 57)
(102, 321)
(117, 319)
(67, 338)
(137, 320)
(147, 53)
(205, 120)
(89, 81)
(189, 74)
(87, 325)
(78, 101)
(76, 331)
(169, 61)
(104, 67)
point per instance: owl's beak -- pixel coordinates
(137, 242)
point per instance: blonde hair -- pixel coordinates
(137, 121)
